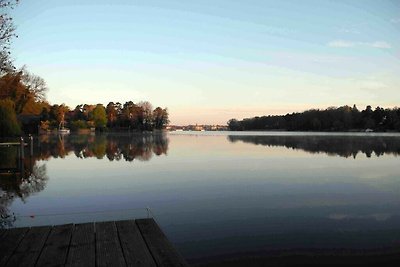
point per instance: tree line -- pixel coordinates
(343, 118)
(115, 116)
(24, 108)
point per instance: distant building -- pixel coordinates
(197, 128)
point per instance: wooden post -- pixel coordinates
(21, 141)
(31, 144)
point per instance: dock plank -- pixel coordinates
(9, 241)
(108, 247)
(55, 249)
(30, 247)
(133, 246)
(121, 243)
(82, 248)
(161, 249)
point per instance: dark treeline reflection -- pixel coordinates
(344, 146)
(21, 178)
(113, 146)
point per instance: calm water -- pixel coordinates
(216, 194)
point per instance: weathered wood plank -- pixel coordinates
(9, 241)
(108, 247)
(30, 247)
(132, 243)
(133, 246)
(12, 144)
(162, 250)
(54, 252)
(82, 248)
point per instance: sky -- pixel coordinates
(210, 61)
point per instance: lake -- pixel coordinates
(217, 195)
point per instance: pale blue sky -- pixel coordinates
(209, 61)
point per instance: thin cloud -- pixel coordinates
(344, 44)
(372, 85)
(348, 30)
(340, 43)
(378, 44)
(395, 20)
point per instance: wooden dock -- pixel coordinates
(121, 243)
(9, 144)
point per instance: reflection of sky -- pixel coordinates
(209, 189)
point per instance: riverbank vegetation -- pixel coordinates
(343, 118)
(23, 106)
(114, 116)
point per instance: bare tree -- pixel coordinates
(36, 85)
(7, 32)
(147, 114)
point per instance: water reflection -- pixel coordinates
(216, 199)
(21, 178)
(344, 146)
(113, 146)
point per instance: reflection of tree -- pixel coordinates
(36, 182)
(19, 181)
(114, 146)
(345, 146)
(160, 145)
(6, 217)
(139, 147)
(23, 178)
